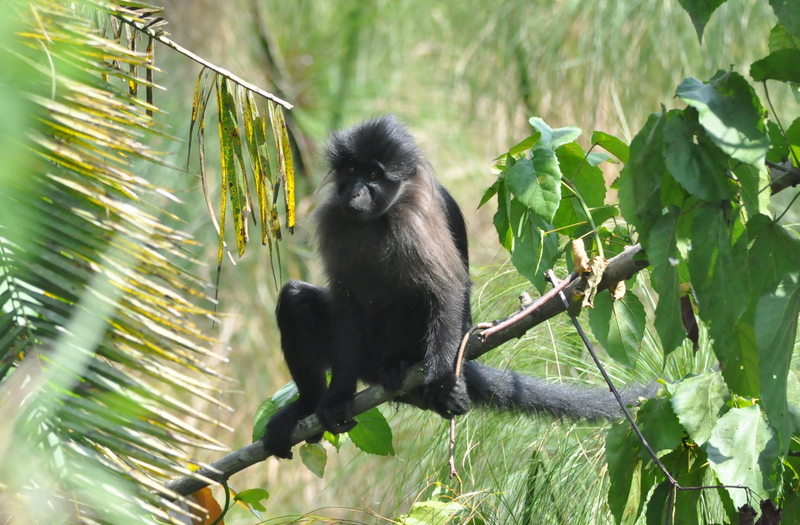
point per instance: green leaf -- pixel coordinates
(657, 506)
(618, 326)
(776, 329)
(720, 281)
(611, 143)
(640, 180)
(598, 157)
(731, 114)
(524, 145)
(700, 12)
(587, 179)
(569, 216)
(232, 160)
(501, 218)
(621, 449)
(434, 512)
(253, 497)
(753, 182)
(699, 401)
(553, 138)
(788, 13)
(693, 160)
(779, 148)
(743, 450)
(490, 192)
(793, 138)
(793, 399)
(662, 253)
(537, 183)
(773, 252)
(372, 434)
(280, 399)
(779, 38)
(783, 65)
(688, 466)
(660, 427)
(314, 457)
(534, 252)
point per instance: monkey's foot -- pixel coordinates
(391, 377)
(278, 437)
(447, 396)
(336, 415)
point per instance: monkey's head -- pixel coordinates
(371, 164)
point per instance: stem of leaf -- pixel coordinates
(588, 214)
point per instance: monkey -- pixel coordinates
(393, 245)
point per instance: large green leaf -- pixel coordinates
(587, 179)
(641, 179)
(720, 281)
(662, 253)
(699, 401)
(788, 13)
(659, 426)
(693, 160)
(619, 326)
(731, 114)
(743, 450)
(536, 182)
(372, 434)
(776, 329)
(782, 64)
(553, 138)
(623, 462)
(700, 12)
(534, 251)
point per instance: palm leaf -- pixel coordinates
(99, 336)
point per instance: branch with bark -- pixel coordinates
(620, 268)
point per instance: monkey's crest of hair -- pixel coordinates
(382, 139)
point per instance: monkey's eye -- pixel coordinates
(351, 170)
(373, 175)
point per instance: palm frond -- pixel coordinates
(99, 336)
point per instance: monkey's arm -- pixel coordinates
(443, 392)
(335, 409)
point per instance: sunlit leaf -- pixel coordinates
(731, 114)
(314, 457)
(372, 434)
(618, 326)
(699, 401)
(743, 450)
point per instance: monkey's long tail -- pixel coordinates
(509, 390)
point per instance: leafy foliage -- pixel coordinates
(100, 341)
(694, 192)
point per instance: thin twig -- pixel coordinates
(514, 318)
(551, 276)
(158, 35)
(459, 359)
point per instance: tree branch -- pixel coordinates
(620, 268)
(153, 30)
(783, 175)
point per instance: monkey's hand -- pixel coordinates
(278, 437)
(335, 412)
(447, 396)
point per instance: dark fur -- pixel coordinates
(394, 247)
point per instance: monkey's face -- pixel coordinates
(365, 191)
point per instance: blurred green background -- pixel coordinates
(465, 76)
